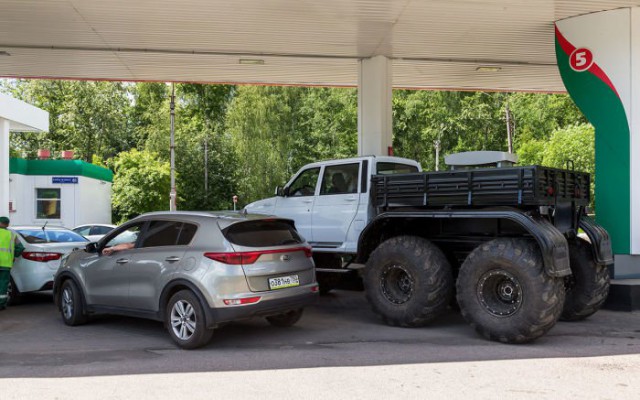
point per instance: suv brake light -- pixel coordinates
(250, 257)
(40, 256)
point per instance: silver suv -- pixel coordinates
(192, 270)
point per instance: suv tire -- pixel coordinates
(408, 281)
(71, 304)
(185, 321)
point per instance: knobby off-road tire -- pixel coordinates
(285, 320)
(505, 294)
(587, 287)
(185, 321)
(72, 304)
(408, 281)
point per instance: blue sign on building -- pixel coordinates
(64, 179)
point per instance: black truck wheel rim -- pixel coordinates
(397, 284)
(500, 293)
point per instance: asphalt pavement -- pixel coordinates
(338, 350)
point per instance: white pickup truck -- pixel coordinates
(329, 201)
(504, 240)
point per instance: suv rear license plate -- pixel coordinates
(284, 282)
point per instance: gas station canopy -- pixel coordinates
(433, 44)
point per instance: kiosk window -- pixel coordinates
(48, 203)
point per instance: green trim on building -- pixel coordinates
(604, 109)
(59, 168)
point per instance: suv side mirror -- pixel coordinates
(91, 247)
(278, 191)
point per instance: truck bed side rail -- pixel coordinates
(515, 186)
(553, 244)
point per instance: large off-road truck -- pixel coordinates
(503, 240)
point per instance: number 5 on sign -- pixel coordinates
(581, 59)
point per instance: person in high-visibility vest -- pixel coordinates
(10, 247)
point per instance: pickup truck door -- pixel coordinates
(298, 201)
(336, 204)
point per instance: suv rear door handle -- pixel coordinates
(350, 199)
(172, 259)
(122, 260)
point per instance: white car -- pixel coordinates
(93, 232)
(43, 249)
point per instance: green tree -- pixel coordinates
(538, 115)
(577, 144)
(459, 121)
(276, 130)
(149, 113)
(141, 184)
(200, 114)
(87, 117)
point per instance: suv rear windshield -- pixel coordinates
(262, 233)
(387, 168)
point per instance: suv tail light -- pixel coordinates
(250, 257)
(40, 256)
(240, 302)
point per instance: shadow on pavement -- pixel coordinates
(339, 331)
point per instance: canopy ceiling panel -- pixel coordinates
(433, 43)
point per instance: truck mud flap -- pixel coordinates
(554, 246)
(600, 240)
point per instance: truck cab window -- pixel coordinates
(389, 168)
(305, 183)
(340, 179)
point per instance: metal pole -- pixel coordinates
(206, 169)
(509, 132)
(172, 145)
(437, 144)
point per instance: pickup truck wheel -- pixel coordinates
(408, 281)
(505, 294)
(588, 285)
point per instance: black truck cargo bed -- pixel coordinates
(513, 186)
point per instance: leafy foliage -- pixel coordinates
(276, 130)
(256, 137)
(84, 116)
(141, 184)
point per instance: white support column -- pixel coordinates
(374, 106)
(4, 167)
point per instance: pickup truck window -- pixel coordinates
(305, 183)
(387, 168)
(340, 179)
